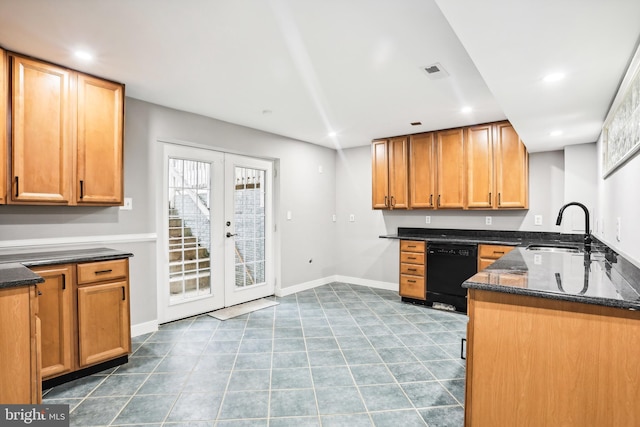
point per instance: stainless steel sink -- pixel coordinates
(554, 248)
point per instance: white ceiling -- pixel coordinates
(353, 67)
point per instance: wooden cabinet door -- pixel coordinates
(103, 322)
(512, 168)
(479, 153)
(40, 142)
(4, 84)
(451, 169)
(100, 141)
(19, 369)
(399, 173)
(379, 175)
(422, 171)
(56, 316)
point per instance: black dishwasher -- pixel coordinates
(448, 265)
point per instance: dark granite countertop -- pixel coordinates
(14, 268)
(585, 277)
(14, 274)
(599, 276)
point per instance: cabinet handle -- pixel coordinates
(393, 203)
(431, 200)
(438, 200)
(386, 201)
(411, 281)
(17, 192)
(411, 257)
(81, 189)
(103, 271)
(462, 355)
(123, 294)
(489, 197)
(64, 282)
(498, 252)
(411, 269)
(499, 199)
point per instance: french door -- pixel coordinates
(216, 235)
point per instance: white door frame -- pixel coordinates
(166, 146)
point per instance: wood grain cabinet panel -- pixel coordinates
(451, 169)
(412, 270)
(41, 142)
(4, 150)
(56, 313)
(488, 254)
(422, 171)
(20, 381)
(99, 139)
(512, 168)
(479, 153)
(103, 322)
(390, 179)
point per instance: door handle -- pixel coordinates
(230, 234)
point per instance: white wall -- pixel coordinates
(580, 178)
(361, 254)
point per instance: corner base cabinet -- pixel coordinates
(543, 362)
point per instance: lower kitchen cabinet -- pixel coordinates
(85, 315)
(488, 254)
(55, 305)
(412, 269)
(543, 362)
(20, 381)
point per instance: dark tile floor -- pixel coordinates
(337, 355)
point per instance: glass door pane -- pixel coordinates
(189, 229)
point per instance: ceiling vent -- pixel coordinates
(436, 71)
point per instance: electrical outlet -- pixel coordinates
(289, 215)
(487, 220)
(334, 218)
(537, 259)
(537, 220)
(618, 229)
(128, 204)
(352, 218)
(320, 169)
(427, 219)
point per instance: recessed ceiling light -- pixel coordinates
(466, 109)
(555, 133)
(84, 55)
(553, 77)
(333, 134)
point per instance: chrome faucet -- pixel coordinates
(587, 225)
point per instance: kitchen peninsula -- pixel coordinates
(553, 339)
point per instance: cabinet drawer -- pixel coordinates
(411, 246)
(100, 271)
(493, 251)
(412, 286)
(412, 258)
(412, 269)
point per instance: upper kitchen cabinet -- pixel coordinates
(66, 139)
(4, 83)
(511, 161)
(479, 153)
(100, 121)
(41, 141)
(390, 170)
(450, 169)
(422, 171)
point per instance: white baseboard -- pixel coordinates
(390, 286)
(304, 286)
(144, 328)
